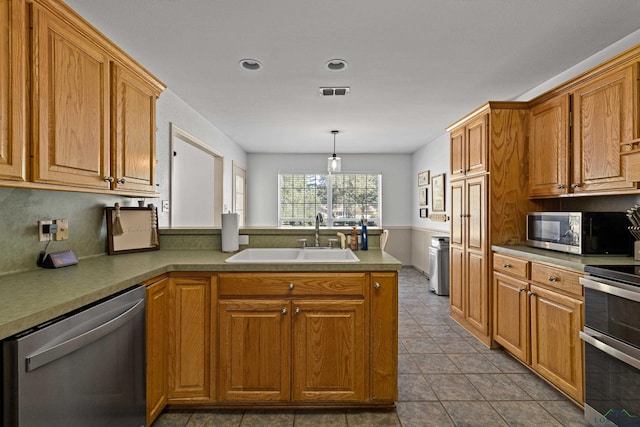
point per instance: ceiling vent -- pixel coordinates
(334, 91)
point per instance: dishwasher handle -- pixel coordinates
(48, 355)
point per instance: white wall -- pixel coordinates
(172, 109)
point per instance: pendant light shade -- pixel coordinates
(334, 163)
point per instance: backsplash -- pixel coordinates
(20, 210)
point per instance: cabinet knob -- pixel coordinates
(297, 310)
(531, 294)
(121, 181)
(560, 186)
(108, 179)
(284, 310)
(506, 265)
(290, 286)
(376, 285)
(553, 278)
(521, 289)
(576, 185)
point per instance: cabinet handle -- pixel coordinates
(290, 286)
(576, 185)
(560, 186)
(531, 294)
(521, 289)
(553, 278)
(506, 265)
(284, 310)
(108, 179)
(121, 181)
(297, 310)
(376, 285)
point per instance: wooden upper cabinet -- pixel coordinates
(134, 124)
(469, 148)
(549, 147)
(603, 117)
(70, 110)
(13, 145)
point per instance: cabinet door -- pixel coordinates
(190, 340)
(476, 145)
(457, 281)
(70, 111)
(13, 40)
(603, 118)
(549, 147)
(556, 349)
(477, 289)
(330, 353)
(511, 315)
(157, 309)
(458, 205)
(255, 350)
(475, 213)
(134, 149)
(458, 163)
(384, 336)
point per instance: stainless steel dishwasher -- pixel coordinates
(86, 368)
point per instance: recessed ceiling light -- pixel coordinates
(250, 64)
(336, 65)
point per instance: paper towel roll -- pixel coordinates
(230, 232)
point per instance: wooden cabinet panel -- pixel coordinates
(301, 284)
(511, 315)
(190, 340)
(476, 213)
(477, 303)
(511, 265)
(157, 312)
(70, 112)
(133, 121)
(457, 281)
(558, 278)
(255, 348)
(329, 351)
(476, 145)
(603, 118)
(458, 163)
(457, 213)
(549, 137)
(13, 84)
(556, 349)
(384, 336)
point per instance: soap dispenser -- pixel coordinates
(363, 227)
(353, 244)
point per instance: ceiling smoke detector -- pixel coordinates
(334, 91)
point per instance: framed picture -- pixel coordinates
(424, 212)
(423, 178)
(139, 230)
(424, 196)
(437, 193)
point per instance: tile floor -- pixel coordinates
(446, 378)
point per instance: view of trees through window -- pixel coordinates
(343, 199)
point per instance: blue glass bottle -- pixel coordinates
(363, 226)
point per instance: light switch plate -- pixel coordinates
(63, 229)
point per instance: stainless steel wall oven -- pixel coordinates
(612, 345)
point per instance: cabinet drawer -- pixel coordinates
(235, 284)
(515, 267)
(558, 278)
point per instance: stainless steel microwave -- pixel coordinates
(582, 233)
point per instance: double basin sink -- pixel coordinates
(292, 255)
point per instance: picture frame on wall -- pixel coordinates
(423, 178)
(424, 196)
(437, 193)
(424, 212)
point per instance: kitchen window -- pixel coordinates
(342, 199)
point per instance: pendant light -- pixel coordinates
(333, 162)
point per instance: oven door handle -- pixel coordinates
(56, 351)
(610, 289)
(612, 347)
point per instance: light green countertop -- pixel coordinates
(574, 262)
(30, 298)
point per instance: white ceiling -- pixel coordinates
(415, 66)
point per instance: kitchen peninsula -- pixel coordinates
(317, 334)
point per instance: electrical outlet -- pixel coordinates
(165, 206)
(42, 236)
(63, 229)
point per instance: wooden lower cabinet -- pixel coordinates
(383, 366)
(537, 318)
(191, 339)
(157, 311)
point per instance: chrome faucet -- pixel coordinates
(318, 221)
